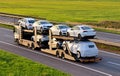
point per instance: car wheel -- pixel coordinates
(41, 30)
(78, 55)
(60, 33)
(33, 47)
(68, 34)
(64, 48)
(79, 36)
(57, 46)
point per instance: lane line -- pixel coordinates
(117, 64)
(59, 59)
(109, 53)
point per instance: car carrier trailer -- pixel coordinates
(23, 37)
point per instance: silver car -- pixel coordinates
(26, 22)
(42, 25)
(60, 29)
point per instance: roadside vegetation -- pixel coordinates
(108, 48)
(100, 13)
(65, 10)
(6, 26)
(13, 65)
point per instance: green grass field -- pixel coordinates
(13, 65)
(65, 10)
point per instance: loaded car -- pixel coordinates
(41, 39)
(42, 25)
(60, 29)
(81, 49)
(55, 44)
(26, 22)
(81, 31)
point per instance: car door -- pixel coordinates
(76, 31)
(74, 47)
(71, 32)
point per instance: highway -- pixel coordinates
(109, 66)
(100, 35)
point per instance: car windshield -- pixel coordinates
(63, 27)
(45, 22)
(31, 21)
(86, 28)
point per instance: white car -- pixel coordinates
(60, 29)
(26, 22)
(55, 44)
(81, 49)
(81, 31)
(42, 25)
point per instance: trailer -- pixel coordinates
(23, 37)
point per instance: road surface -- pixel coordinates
(109, 66)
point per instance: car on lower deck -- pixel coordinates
(82, 49)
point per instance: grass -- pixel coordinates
(107, 30)
(65, 10)
(13, 65)
(6, 26)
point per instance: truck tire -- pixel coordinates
(57, 54)
(17, 42)
(29, 46)
(33, 47)
(62, 56)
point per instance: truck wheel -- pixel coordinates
(29, 46)
(79, 36)
(17, 42)
(33, 47)
(78, 55)
(62, 55)
(57, 54)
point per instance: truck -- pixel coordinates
(33, 39)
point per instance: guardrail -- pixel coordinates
(14, 20)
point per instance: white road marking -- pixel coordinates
(109, 53)
(117, 64)
(59, 59)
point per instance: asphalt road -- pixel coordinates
(109, 66)
(100, 35)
